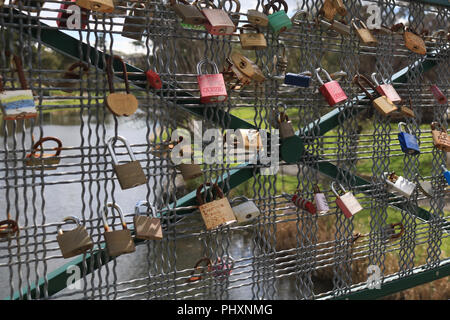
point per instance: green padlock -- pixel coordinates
(278, 20)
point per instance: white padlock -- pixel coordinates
(321, 200)
(399, 184)
(246, 210)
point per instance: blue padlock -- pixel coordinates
(446, 174)
(408, 141)
(300, 80)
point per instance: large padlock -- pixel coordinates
(247, 67)
(244, 209)
(135, 23)
(412, 41)
(252, 41)
(257, 18)
(71, 74)
(328, 10)
(399, 184)
(348, 203)
(320, 200)
(364, 33)
(438, 95)
(331, 90)
(446, 174)
(145, 227)
(75, 241)
(17, 104)
(386, 89)
(299, 80)
(37, 159)
(120, 104)
(441, 140)
(383, 105)
(216, 213)
(212, 86)
(189, 13)
(117, 241)
(153, 79)
(8, 228)
(285, 126)
(130, 174)
(218, 21)
(66, 11)
(106, 6)
(278, 20)
(408, 142)
(303, 203)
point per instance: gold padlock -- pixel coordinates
(252, 41)
(407, 111)
(135, 23)
(285, 126)
(130, 175)
(190, 14)
(441, 140)
(37, 159)
(106, 6)
(257, 18)
(364, 33)
(247, 67)
(75, 241)
(216, 213)
(117, 241)
(234, 78)
(145, 227)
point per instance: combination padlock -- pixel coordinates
(278, 20)
(74, 242)
(252, 41)
(8, 228)
(218, 22)
(386, 89)
(66, 18)
(446, 174)
(348, 203)
(303, 203)
(106, 6)
(299, 80)
(247, 67)
(399, 184)
(285, 126)
(216, 213)
(441, 140)
(38, 159)
(135, 22)
(72, 74)
(153, 79)
(190, 14)
(331, 90)
(245, 210)
(320, 200)
(212, 86)
(257, 18)
(438, 95)
(145, 227)
(364, 33)
(117, 241)
(130, 174)
(408, 141)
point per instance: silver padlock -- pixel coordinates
(320, 200)
(147, 228)
(348, 203)
(246, 210)
(74, 242)
(399, 184)
(117, 241)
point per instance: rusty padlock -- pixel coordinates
(105, 6)
(117, 241)
(438, 95)
(348, 203)
(37, 159)
(412, 40)
(218, 22)
(328, 10)
(8, 228)
(74, 242)
(71, 74)
(189, 13)
(364, 33)
(212, 86)
(252, 41)
(441, 140)
(135, 23)
(145, 227)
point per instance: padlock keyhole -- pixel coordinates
(248, 216)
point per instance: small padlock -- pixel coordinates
(71, 74)
(130, 174)
(280, 62)
(400, 184)
(257, 18)
(320, 200)
(216, 213)
(278, 20)
(198, 267)
(252, 41)
(383, 105)
(328, 10)
(412, 41)
(299, 80)
(65, 13)
(303, 203)
(389, 233)
(331, 90)
(441, 140)
(218, 22)
(347, 202)
(145, 227)
(212, 86)
(386, 89)
(75, 241)
(408, 142)
(153, 79)
(8, 228)
(446, 174)
(438, 95)
(135, 23)
(245, 210)
(364, 33)
(285, 126)
(17, 104)
(37, 159)
(190, 14)
(117, 241)
(299, 17)
(341, 27)
(106, 6)
(247, 67)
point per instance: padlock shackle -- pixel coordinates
(249, 26)
(8, 227)
(239, 200)
(357, 79)
(375, 81)
(105, 211)
(203, 269)
(110, 74)
(271, 5)
(238, 5)
(361, 23)
(146, 204)
(444, 168)
(316, 72)
(41, 141)
(334, 190)
(437, 126)
(208, 3)
(111, 149)
(214, 185)
(210, 62)
(79, 64)
(400, 124)
(398, 234)
(73, 219)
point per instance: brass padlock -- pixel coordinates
(117, 241)
(130, 175)
(234, 78)
(190, 14)
(441, 140)
(328, 10)
(75, 241)
(106, 6)
(135, 23)
(257, 18)
(37, 158)
(216, 213)
(252, 41)
(71, 74)
(285, 126)
(407, 111)
(247, 67)
(364, 33)
(145, 227)
(8, 228)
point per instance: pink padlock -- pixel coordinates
(440, 97)
(331, 90)
(65, 12)
(386, 89)
(212, 86)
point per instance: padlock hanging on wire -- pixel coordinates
(399, 184)
(74, 242)
(146, 227)
(8, 228)
(331, 90)
(347, 202)
(408, 141)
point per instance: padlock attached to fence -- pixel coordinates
(257, 18)
(17, 104)
(299, 80)
(145, 227)
(341, 27)
(446, 174)
(153, 79)
(412, 40)
(320, 200)
(278, 20)
(135, 23)
(218, 21)
(75, 72)
(8, 228)
(252, 41)
(117, 241)
(328, 10)
(399, 184)
(120, 104)
(245, 210)
(285, 126)
(36, 158)
(74, 242)
(203, 266)
(235, 16)
(247, 67)
(407, 111)
(64, 17)
(188, 170)
(393, 231)
(386, 89)
(105, 6)
(212, 86)
(216, 213)
(302, 203)
(348, 203)
(130, 174)
(189, 13)
(331, 90)
(364, 33)
(408, 141)
(438, 95)
(441, 140)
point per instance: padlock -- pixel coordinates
(235, 16)
(386, 89)
(120, 104)
(251, 138)
(412, 41)
(438, 95)
(234, 78)
(218, 22)
(257, 18)
(153, 79)
(348, 203)
(130, 174)
(145, 227)
(446, 174)
(8, 228)
(340, 7)
(75, 241)
(17, 104)
(280, 62)
(65, 13)
(331, 90)
(383, 105)
(37, 159)
(303, 203)
(324, 24)
(105, 6)
(364, 33)
(441, 140)
(190, 14)
(198, 267)
(300, 17)
(399, 184)
(426, 187)
(341, 27)
(285, 126)
(408, 142)
(278, 20)
(117, 241)
(71, 74)
(245, 210)
(320, 200)
(212, 86)
(190, 171)
(328, 10)
(299, 80)
(252, 41)
(247, 67)
(135, 22)
(216, 213)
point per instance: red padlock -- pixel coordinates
(66, 11)
(153, 79)
(440, 97)
(386, 89)
(212, 86)
(331, 90)
(304, 204)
